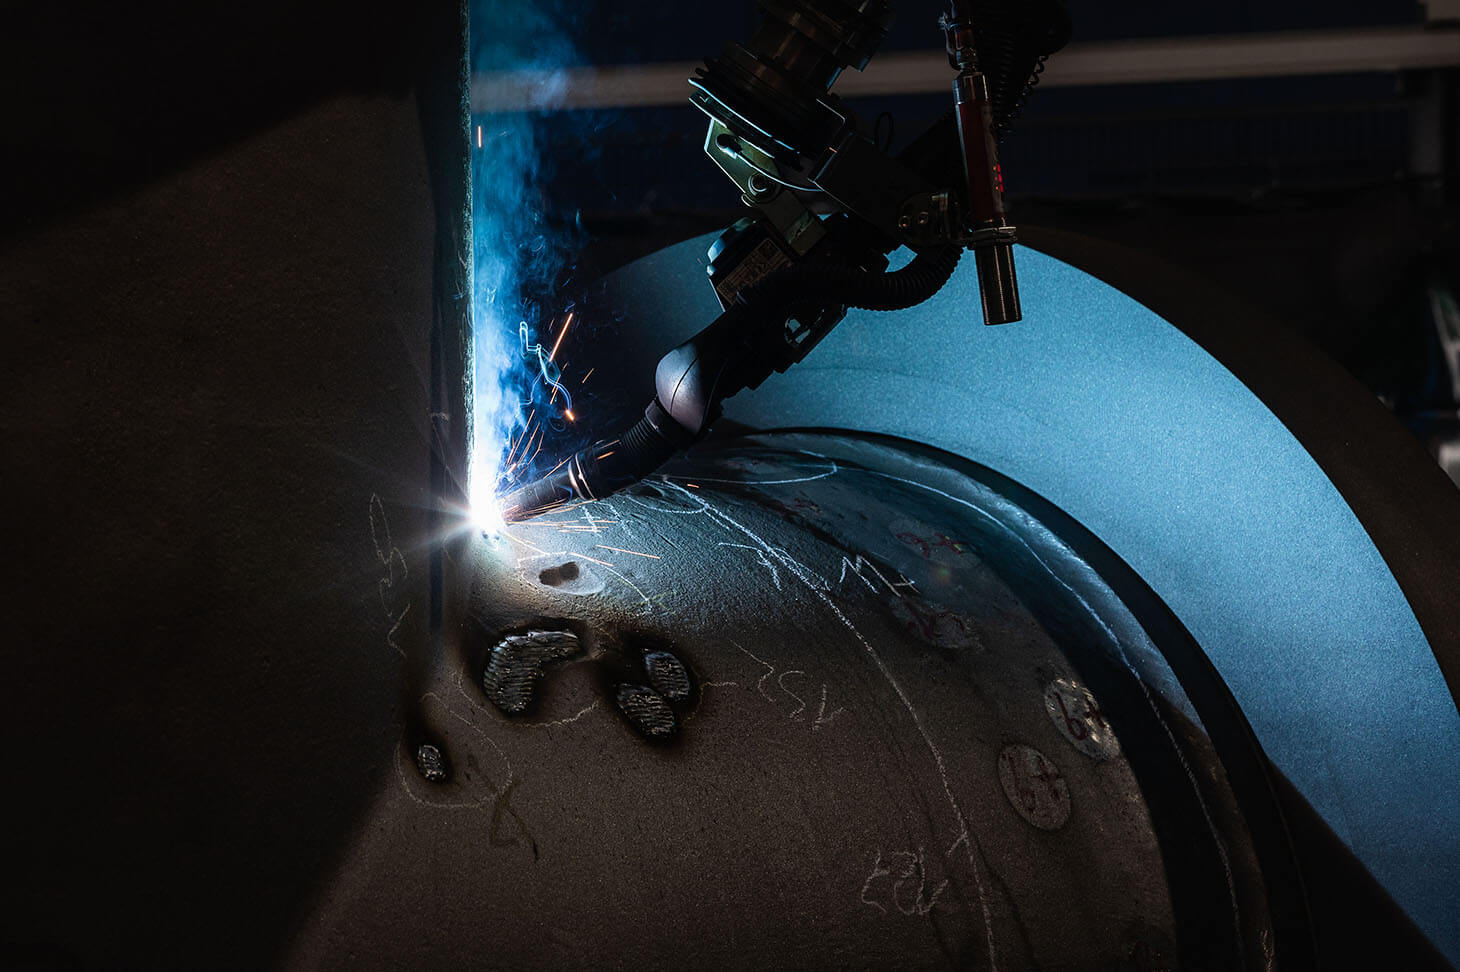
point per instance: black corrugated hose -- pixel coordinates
(924, 276)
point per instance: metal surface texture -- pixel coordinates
(837, 705)
(1109, 411)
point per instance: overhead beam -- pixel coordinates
(1147, 61)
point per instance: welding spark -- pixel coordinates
(559, 342)
(521, 440)
(549, 371)
(529, 460)
(634, 552)
(517, 252)
(532, 546)
(585, 378)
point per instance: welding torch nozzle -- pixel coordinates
(601, 469)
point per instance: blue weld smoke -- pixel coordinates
(517, 252)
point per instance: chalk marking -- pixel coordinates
(775, 574)
(395, 628)
(1124, 658)
(806, 577)
(801, 703)
(822, 719)
(568, 721)
(766, 482)
(403, 753)
(769, 671)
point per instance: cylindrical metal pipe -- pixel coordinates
(998, 287)
(997, 284)
(980, 152)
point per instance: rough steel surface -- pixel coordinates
(859, 648)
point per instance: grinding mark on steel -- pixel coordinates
(1125, 660)
(805, 576)
(664, 538)
(448, 805)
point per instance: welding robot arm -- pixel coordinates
(786, 276)
(738, 351)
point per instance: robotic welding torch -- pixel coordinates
(828, 204)
(739, 350)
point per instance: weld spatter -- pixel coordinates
(515, 665)
(667, 675)
(647, 711)
(431, 763)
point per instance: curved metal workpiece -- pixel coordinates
(1118, 418)
(824, 684)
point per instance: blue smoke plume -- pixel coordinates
(517, 253)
